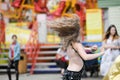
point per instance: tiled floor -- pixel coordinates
(41, 77)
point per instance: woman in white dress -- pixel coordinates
(111, 44)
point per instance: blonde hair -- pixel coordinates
(68, 29)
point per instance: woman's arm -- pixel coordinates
(110, 47)
(105, 46)
(83, 54)
(94, 47)
(115, 47)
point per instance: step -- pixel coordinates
(47, 52)
(46, 55)
(4, 53)
(5, 70)
(46, 64)
(3, 64)
(45, 69)
(43, 66)
(38, 65)
(41, 61)
(45, 47)
(3, 58)
(44, 58)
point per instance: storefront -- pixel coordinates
(111, 13)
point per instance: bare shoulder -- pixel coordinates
(103, 41)
(119, 38)
(78, 45)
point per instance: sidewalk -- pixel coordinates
(40, 77)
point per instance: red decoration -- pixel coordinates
(60, 9)
(40, 6)
(30, 25)
(16, 3)
(32, 47)
(80, 11)
(91, 4)
(2, 33)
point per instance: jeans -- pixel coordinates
(10, 65)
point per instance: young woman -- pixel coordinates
(111, 44)
(68, 29)
(14, 57)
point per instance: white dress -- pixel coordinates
(63, 53)
(109, 56)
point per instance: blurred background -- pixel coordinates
(28, 19)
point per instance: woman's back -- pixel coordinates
(75, 61)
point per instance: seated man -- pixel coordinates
(114, 72)
(62, 60)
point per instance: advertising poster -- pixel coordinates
(22, 34)
(94, 25)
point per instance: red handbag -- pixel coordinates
(16, 3)
(63, 59)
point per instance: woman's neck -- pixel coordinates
(111, 37)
